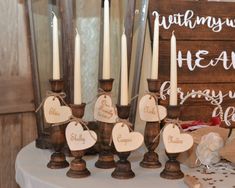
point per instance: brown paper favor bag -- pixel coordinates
(198, 134)
(189, 157)
(228, 151)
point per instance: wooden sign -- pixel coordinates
(150, 111)
(174, 141)
(104, 110)
(54, 112)
(77, 138)
(205, 33)
(124, 140)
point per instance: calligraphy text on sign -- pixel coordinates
(190, 20)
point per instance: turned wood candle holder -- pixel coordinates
(57, 134)
(123, 167)
(152, 129)
(172, 167)
(106, 158)
(78, 167)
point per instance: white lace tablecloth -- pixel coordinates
(31, 172)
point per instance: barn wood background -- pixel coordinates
(201, 38)
(17, 121)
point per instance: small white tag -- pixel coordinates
(149, 111)
(77, 138)
(54, 112)
(124, 140)
(174, 141)
(104, 110)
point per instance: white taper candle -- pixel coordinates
(173, 76)
(154, 70)
(77, 71)
(56, 59)
(106, 44)
(124, 72)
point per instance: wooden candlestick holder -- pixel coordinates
(123, 169)
(78, 167)
(57, 134)
(106, 158)
(152, 129)
(172, 167)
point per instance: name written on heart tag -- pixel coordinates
(124, 140)
(54, 112)
(104, 110)
(78, 138)
(150, 111)
(174, 141)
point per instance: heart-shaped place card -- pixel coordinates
(104, 110)
(124, 140)
(149, 111)
(54, 112)
(174, 141)
(77, 138)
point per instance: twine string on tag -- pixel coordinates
(84, 123)
(100, 93)
(156, 97)
(133, 98)
(103, 92)
(124, 122)
(60, 95)
(155, 139)
(176, 122)
(77, 120)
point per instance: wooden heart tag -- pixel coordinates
(104, 110)
(149, 111)
(54, 112)
(124, 140)
(77, 138)
(174, 141)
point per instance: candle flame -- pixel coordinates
(173, 32)
(124, 30)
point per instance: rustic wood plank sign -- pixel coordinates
(205, 32)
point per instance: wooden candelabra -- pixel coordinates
(172, 167)
(78, 167)
(57, 135)
(152, 129)
(123, 169)
(106, 158)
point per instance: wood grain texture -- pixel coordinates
(216, 9)
(211, 74)
(15, 73)
(212, 77)
(17, 120)
(29, 130)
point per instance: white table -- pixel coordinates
(31, 172)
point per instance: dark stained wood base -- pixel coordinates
(67, 151)
(150, 160)
(43, 142)
(78, 169)
(172, 168)
(105, 161)
(123, 170)
(58, 161)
